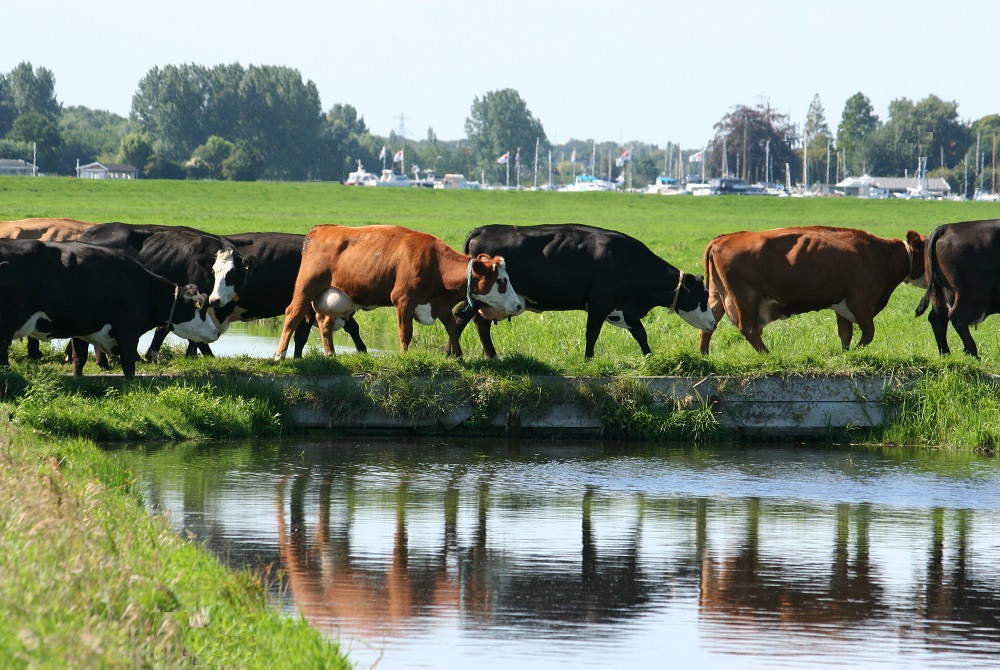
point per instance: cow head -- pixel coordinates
(916, 247)
(690, 301)
(489, 283)
(229, 275)
(189, 317)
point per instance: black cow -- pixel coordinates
(611, 276)
(61, 290)
(268, 290)
(963, 285)
(181, 254)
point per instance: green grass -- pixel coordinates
(89, 579)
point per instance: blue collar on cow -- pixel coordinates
(173, 306)
(468, 285)
(677, 293)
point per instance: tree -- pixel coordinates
(88, 133)
(136, 149)
(170, 107)
(33, 91)
(498, 123)
(757, 140)
(817, 138)
(343, 137)
(7, 110)
(210, 156)
(244, 163)
(929, 128)
(857, 122)
(41, 130)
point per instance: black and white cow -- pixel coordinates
(268, 290)
(102, 297)
(613, 277)
(963, 285)
(181, 254)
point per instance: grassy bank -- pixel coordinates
(121, 590)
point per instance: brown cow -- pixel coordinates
(46, 230)
(759, 277)
(346, 269)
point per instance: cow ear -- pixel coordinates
(4, 264)
(204, 260)
(249, 262)
(916, 241)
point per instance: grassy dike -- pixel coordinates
(90, 580)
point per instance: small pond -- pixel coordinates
(540, 554)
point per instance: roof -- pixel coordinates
(896, 183)
(110, 167)
(15, 163)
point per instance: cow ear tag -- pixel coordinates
(197, 304)
(236, 297)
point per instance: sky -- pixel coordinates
(654, 71)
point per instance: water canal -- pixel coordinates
(450, 554)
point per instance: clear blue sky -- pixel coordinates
(648, 70)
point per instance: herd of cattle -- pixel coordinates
(107, 284)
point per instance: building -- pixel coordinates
(16, 167)
(107, 171)
(866, 186)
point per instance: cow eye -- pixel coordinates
(502, 283)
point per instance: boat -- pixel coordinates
(588, 182)
(393, 178)
(666, 186)
(456, 181)
(733, 186)
(361, 177)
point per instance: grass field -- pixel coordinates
(677, 228)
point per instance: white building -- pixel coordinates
(12, 166)
(107, 171)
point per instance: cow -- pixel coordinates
(105, 298)
(345, 269)
(615, 278)
(46, 230)
(758, 277)
(181, 254)
(268, 290)
(963, 286)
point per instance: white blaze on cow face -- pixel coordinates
(506, 302)
(701, 318)
(201, 328)
(222, 293)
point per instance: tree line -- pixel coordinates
(266, 122)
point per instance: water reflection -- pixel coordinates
(448, 555)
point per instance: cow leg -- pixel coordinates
(192, 350)
(846, 331)
(297, 311)
(595, 320)
(204, 349)
(639, 333)
(301, 337)
(404, 313)
(102, 359)
(483, 327)
(938, 318)
(454, 333)
(34, 349)
(81, 350)
(128, 358)
(867, 325)
(5, 351)
(351, 328)
(718, 305)
(325, 324)
(153, 352)
(967, 342)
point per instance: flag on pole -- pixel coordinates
(627, 156)
(572, 156)
(398, 157)
(504, 159)
(381, 156)
(696, 157)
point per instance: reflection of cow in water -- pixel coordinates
(748, 587)
(334, 586)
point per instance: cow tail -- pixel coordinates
(709, 263)
(932, 270)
